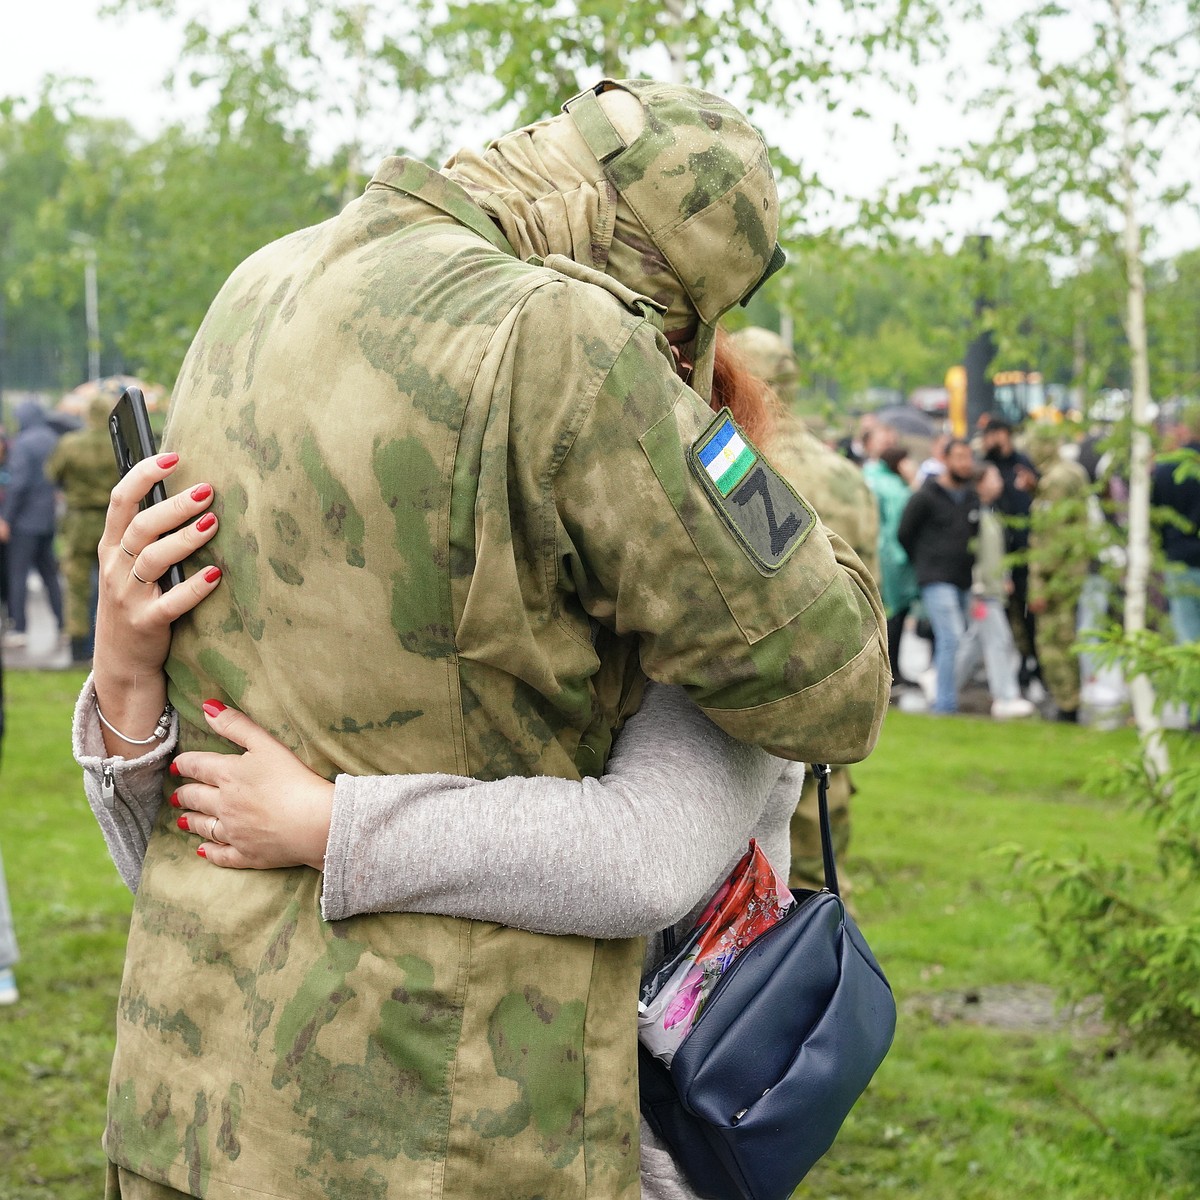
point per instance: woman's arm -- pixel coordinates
(133, 614)
(123, 734)
(619, 856)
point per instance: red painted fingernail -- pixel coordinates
(200, 851)
(212, 574)
(174, 801)
(182, 823)
(174, 770)
(201, 491)
(214, 708)
(167, 460)
(206, 522)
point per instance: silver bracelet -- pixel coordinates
(160, 730)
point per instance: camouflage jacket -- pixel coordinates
(834, 485)
(84, 467)
(462, 497)
(1062, 539)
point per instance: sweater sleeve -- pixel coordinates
(124, 794)
(619, 856)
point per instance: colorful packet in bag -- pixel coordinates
(747, 904)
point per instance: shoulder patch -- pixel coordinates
(761, 509)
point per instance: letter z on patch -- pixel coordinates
(768, 519)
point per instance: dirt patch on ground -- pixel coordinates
(1022, 1008)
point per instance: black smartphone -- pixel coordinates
(133, 440)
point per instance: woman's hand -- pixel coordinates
(133, 614)
(260, 809)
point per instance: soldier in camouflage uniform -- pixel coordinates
(1061, 549)
(464, 500)
(836, 489)
(82, 465)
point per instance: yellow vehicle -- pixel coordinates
(1022, 395)
(1019, 396)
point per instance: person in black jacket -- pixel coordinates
(937, 531)
(1181, 544)
(1020, 478)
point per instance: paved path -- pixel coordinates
(43, 651)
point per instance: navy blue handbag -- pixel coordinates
(784, 1046)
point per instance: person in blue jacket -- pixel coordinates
(27, 517)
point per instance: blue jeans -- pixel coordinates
(989, 636)
(946, 606)
(1183, 600)
(32, 552)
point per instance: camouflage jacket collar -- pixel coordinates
(416, 179)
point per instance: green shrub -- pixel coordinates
(1132, 936)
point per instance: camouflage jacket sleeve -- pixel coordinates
(784, 652)
(56, 468)
(1062, 542)
(836, 488)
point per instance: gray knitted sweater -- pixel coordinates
(625, 855)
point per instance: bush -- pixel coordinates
(1133, 937)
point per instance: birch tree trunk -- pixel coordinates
(1137, 572)
(354, 156)
(676, 47)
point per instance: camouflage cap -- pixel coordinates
(98, 408)
(1043, 443)
(698, 179)
(769, 357)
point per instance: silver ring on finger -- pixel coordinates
(126, 549)
(133, 571)
(212, 830)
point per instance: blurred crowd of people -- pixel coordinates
(993, 549)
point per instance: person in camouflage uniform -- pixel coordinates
(833, 484)
(1061, 550)
(837, 490)
(83, 467)
(464, 500)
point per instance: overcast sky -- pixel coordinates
(124, 55)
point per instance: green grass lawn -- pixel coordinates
(72, 916)
(960, 1110)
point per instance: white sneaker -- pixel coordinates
(928, 683)
(8, 988)
(1006, 710)
(15, 641)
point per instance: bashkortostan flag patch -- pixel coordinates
(762, 510)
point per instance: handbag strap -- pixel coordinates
(829, 863)
(822, 772)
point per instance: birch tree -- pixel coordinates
(1097, 115)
